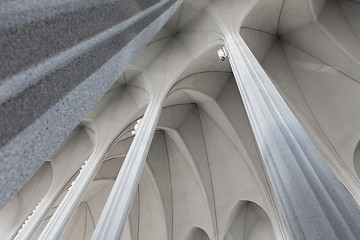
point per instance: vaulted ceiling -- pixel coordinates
(204, 178)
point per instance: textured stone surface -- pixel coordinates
(314, 203)
(57, 61)
(30, 42)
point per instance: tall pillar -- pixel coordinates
(118, 205)
(36, 218)
(315, 205)
(64, 212)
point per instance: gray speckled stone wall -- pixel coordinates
(57, 59)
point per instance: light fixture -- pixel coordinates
(136, 127)
(222, 53)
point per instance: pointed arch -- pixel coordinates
(197, 234)
(248, 221)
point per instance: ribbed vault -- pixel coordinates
(249, 222)
(203, 178)
(312, 56)
(196, 161)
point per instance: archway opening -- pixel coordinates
(197, 234)
(249, 221)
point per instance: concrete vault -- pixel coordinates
(119, 120)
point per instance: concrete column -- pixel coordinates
(118, 205)
(314, 203)
(63, 214)
(35, 220)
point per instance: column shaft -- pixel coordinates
(37, 217)
(63, 214)
(118, 205)
(314, 203)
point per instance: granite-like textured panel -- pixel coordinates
(30, 42)
(60, 86)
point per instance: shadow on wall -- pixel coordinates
(249, 221)
(197, 234)
(357, 159)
